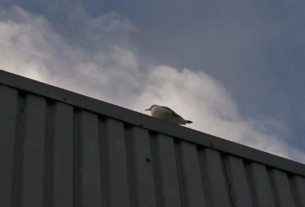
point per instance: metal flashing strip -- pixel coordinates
(147, 122)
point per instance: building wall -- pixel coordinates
(58, 148)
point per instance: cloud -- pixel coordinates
(107, 66)
(199, 97)
(31, 47)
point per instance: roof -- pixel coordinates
(64, 149)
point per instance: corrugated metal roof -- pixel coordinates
(58, 148)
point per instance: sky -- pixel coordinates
(233, 67)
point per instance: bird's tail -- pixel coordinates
(188, 122)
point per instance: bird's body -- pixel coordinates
(167, 114)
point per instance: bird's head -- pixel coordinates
(150, 108)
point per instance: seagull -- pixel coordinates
(167, 114)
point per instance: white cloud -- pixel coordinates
(199, 97)
(112, 71)
(32, 48)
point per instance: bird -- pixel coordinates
(167, 114)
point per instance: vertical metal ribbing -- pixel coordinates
(298, 185)
(52, 154)
(89, 172)
(34, 152)
(48, 155)
(8, 124)
(238, 183)
(260, 185)
(190, 178)
(140, 171)
(214, 180)
(76, 158)
(281, 188)
(165, 171)
(118, 187)
(103, 143)
(18, 152)
(63, 179)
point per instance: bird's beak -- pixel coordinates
(147, 109)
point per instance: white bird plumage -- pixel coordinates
(167, 114)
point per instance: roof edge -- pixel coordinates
(144, 121)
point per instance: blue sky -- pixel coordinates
(234, 67)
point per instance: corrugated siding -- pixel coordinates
(57, 154)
